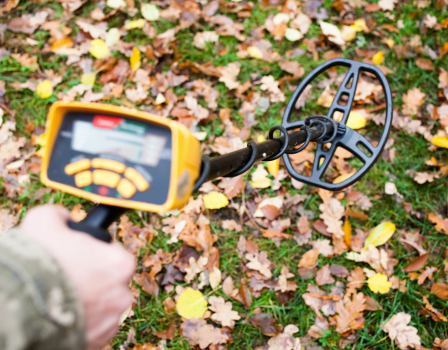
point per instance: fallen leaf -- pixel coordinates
(198, 332)
(98, 48)
(356, 120)
(88, 78)
(380, 234)
(44, 89)
(421, 178)
(135, 59)
(215, 200)
(398, 330)
(260, 263)
(427, 273)
(324, 247)
(293, 34)
(440, 141)
(413, 99)
(424, 64)
(350, 314)
(196, 267)
(309, 258)
(323, 276)
(223, 312)
(77, 213)
(440, 290)
(150, 12)
(378, 58)
(201, 38)
(7, 220)
(417, 263)
(379, 283)
(266, 324)
(387, 5)
(332, 213)
(285, 340)
(191, 304)
(167, 334)
(270, 212)
(332, 32)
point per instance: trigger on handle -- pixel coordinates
(98, 219)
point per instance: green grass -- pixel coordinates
(411, 153)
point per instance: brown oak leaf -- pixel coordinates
(398, 330)
(198, 332)
(223, 311)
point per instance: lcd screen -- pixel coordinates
(120, 137)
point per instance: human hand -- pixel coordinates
(99, 271)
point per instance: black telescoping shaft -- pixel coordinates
(228, 163)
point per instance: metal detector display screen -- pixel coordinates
(113, 156)
(120, 137)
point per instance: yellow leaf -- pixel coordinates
(254, 51)
(378, 58)
(378, 283)
(138, 23)
(356, 120)
(360, 25)
(150, 12)
(273, 167)
(440, 141)
(380, 234)
(42, 139)
(347, 228)
(215, 200)
(98, 48)
(293, 34)
(191, 303)
(112, 37)
(66, 42)
(261, 138)
(348, 33)
(44, 89)
(389, 42)
(264, 182)
(88, 78)
(135, 59)
(343, 177)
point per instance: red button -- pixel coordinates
(104, 191)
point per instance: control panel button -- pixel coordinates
(78, 166)
(126, 188)
(137, 178)
(83, 178)
(105, 178)
(108, 164)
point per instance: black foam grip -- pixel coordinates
(96, 232)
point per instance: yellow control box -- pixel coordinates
(119, 156)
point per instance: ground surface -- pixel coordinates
(228, 86)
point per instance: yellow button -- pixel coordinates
(137, 178)
(105, 178)
(126, 188)
(108, 164)
(80, 165)
(83, 179)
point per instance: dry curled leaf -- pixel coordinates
(399, 330)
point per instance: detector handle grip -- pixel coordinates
(97, 221)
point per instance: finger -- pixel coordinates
(124, 261)
(44, 216)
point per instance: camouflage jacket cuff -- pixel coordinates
(39, 306)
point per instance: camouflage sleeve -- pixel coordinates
(39, 308)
